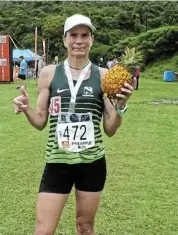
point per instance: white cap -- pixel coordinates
(75, 20)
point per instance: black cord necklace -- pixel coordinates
(78, 68)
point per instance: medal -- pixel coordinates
(74, 89)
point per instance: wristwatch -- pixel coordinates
(121, 112)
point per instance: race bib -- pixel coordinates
(75, 131)
(55, 106)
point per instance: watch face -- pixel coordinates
(121, 112)
(74, 118)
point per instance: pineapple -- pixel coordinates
(121, 73)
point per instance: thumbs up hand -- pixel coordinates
(21, 103)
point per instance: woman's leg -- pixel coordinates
(86, 207)
(89, 184)
(56, 184)
(48, 212)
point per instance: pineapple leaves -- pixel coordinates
(131, 58)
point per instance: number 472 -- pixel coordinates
(76, 128)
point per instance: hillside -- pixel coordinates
(156, 69)
(115, 23)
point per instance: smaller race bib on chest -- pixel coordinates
(75, 131)
(55, 106)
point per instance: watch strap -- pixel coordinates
(121, 112)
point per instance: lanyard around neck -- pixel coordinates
(74, 89)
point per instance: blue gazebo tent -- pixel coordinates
(26, 53)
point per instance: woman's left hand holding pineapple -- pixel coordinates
(126, 92)
(112, 116)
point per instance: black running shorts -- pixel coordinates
(60, 177)
(21, 76)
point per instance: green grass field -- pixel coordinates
(141, 193)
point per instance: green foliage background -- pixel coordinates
(150, 26)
